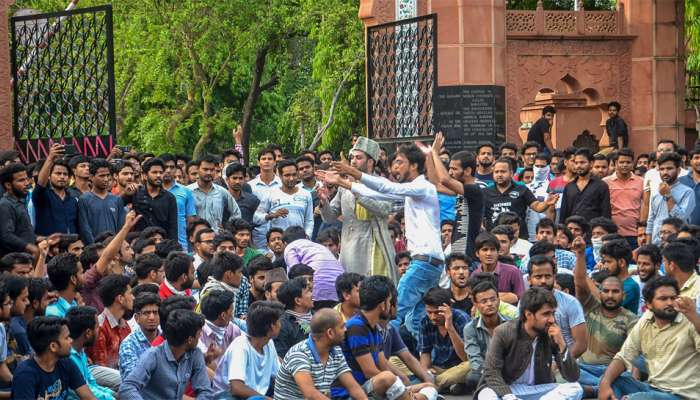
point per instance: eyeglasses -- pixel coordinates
(8, 304)
(147, 313)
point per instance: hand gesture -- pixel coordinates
(116, 152)
(53, 239)
(554, 333)
(426, 149)
(439, 141)
(238, 134)
(343, 159)
(579, 246)
(685, 305)
(343, 168)
(322, 193)
(213, 352)
(131, 188)
(56, 151)
(329, 177)
(131, 219)
(552, 200)
(446, 311)
(44, 247)
(664, 189)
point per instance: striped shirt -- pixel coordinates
(303, 357)
(360, 339)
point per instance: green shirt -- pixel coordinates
(605, 335)
(249, 254)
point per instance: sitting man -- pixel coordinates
(250, 363)
(608, 322)
(616, 257)
(440, 342)
(457, 266)
(295, 294)
(363, 343)
(146, 307)
(518, 362)
(478, 332)
(312, 365)
(509, 280)
(667, 336)
(347, 286)
(219, 330)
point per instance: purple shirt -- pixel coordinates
(509, 279)
(326, 267)
(208, 338)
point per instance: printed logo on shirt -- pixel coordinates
(513, 195)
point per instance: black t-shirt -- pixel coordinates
(537, 131)
(517, 198)
(32, 382)
(463, 305)
(469, 213)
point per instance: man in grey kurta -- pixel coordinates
(366, 247)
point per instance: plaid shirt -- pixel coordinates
(130, 350)
(242, 298)
(440, 347)
(105, 351)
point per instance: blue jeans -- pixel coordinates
(420, 277)
(226, 395)
(590, 375)
(636, 390)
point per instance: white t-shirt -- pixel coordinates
(242, 362)
(652, 180)
(521, 247)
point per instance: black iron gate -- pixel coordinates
(401, 78)
(63, 81)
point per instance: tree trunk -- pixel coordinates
(252, 99)
(207, 128)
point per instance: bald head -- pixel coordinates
(324, 319)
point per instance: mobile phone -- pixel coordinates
(70, 150)
(125, 149)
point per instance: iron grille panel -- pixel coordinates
(401, 78)
(63, 81)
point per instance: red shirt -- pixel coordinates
(105, 351)
(165, 291)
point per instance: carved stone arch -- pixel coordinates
(568, 85)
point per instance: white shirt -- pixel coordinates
(652, 180)
(421, 210)
(242, 362)
(521, 247)
(261, 189)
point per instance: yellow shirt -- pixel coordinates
(672, 354)
(691, 287)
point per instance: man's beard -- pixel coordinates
(647, 278)
(188, 284)
(584, 172)
(485, 164)
(614, 307)
(665, 314)
(18, 193)
(548, 287)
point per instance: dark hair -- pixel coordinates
(539, 259)
(481, 287)
(151, 231)
(235, 168)
(61, 269)
(681, 254)
(152, 162)
(77, 160)
(543, 156)
(617, 249)
(484, 239)
(198, 235)
(98, 163)
(167, 157)
(652, 251)
(271, 231)
(584, 152)
(291, 290)
(37, 288)
(305, 158)
(534, 299)
(625, 152)
(262, 315)
(529, 144)
(675, 222)
(266, 150)
(466, 160)
(80, 319)
(167, 246)
(146, 299)
(400, 255)
(549, 109)
(374, 291)
(215, 303)
(176, 265)
(209, 159)
(282, 164)
(615, 104)
(508, 218)
(600, 157)
(182, 325)
(231, 152)
(239, 224)
(325, 152)
(693, 230)
(7, 173)
(90, 254)
(112, 286)
(608, 237)
(224, 261)
(61, 163)
(437, 297)
(675, 158)
(140, 244)
(345, 282)
(42, 331)
(580, 221)
(143, 288)
(14, 285)
(505, 160)
(606, 223)
(546, 223)
(652, 284)
(566, 281)
(414, 155)
(293, 233)
(454, 257)
(257, 264)
(563, 229)
(479, 277)
(509, 146)
(298, 270)
(172, 303)
(327, 234)
(223, 236)
(485, 144)
(116, 168)
(146, 263)
(9, 260)
(504, 230)
(196, 222)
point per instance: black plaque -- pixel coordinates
(470, 115)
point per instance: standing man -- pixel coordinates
(157, 207)
(422, 212)
(307, 177)
(366, 247)
(261, 186)
(484, 163)
(247, 201)
(213, 202)
(186, 210)
(541, 131)
(616, 127)
(99, 210)
(601, 166)
(692, 180)
(288, 205)
(56, 209)
(16, 231)
(626, 192)
(81, 175)
(672, 200)
(587, 195)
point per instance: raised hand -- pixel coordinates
(56, 151)
(439, 141)
(579, 246)
(131, 219)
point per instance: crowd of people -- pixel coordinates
(511, 272)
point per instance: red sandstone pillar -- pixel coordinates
(5, 76)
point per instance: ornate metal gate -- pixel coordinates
(63, 81)
(401, 78)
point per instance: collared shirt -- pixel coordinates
(508, 278)
(185, 208)
(326, 267)
(248, 203)
(130, 349)
(516, 198)
(690, 182)
(158, 375)
(242, 299)
(156, 211)
(81, 361)
(421, 210)
(261, 189)
(672, 354)
(208, 338)
(299, 205)
(59, 308)
(216, 206)
(652, 180)
(16, 230)
(105, 351)
(166, 290)
(691, 287)
(625, 202)
(442, 351)
(53, 214)
(684, 199)
(565, 260)
(593, 201)
(476, 341)
(304, 357)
